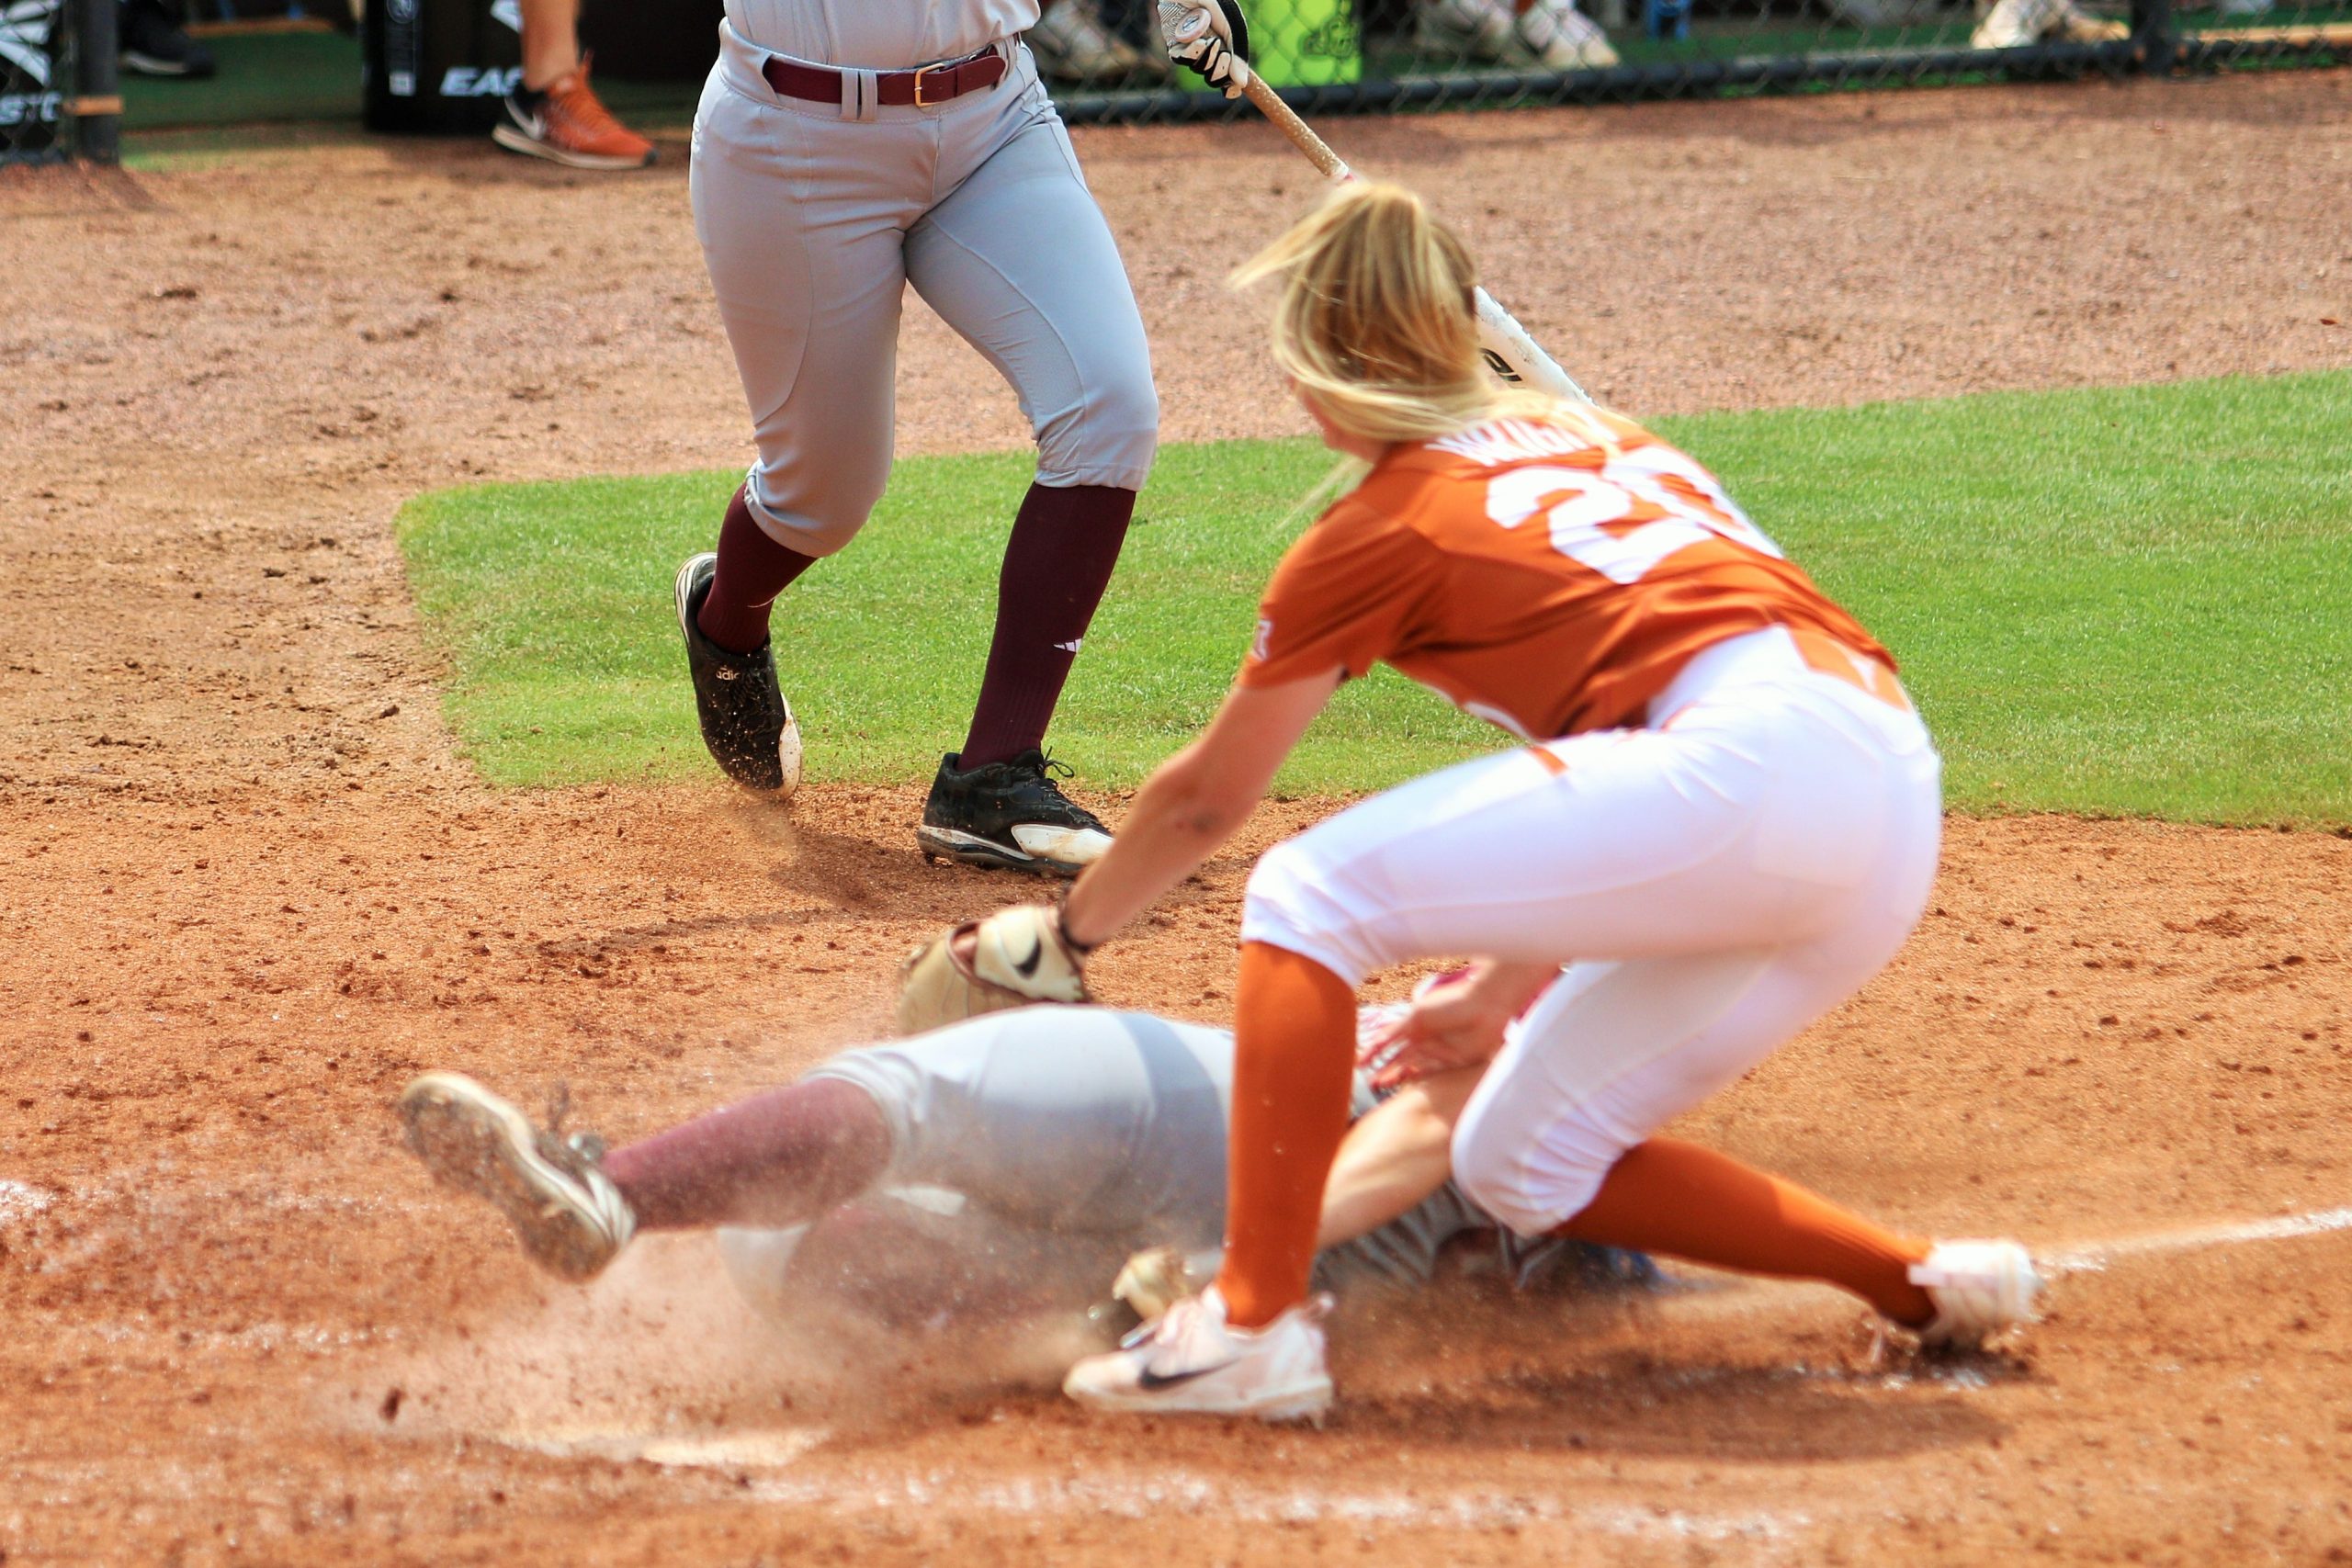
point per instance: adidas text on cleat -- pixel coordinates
(1011, 814)
(747, 725)
(1980, 1288)
(1188, 1362)
(566, 1214)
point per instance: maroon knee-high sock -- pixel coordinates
(753, 569)
(1065, 542)
(784, 1157)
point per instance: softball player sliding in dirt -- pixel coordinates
(1076, 1135)
(1725, 819)
(842, 151)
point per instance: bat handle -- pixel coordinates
(1301, 135)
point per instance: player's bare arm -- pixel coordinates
(1193, 804)
(1395, 1156)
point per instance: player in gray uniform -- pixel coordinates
(1069, 1136)
(844, 149)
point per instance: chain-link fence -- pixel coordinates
(2227, 33)
(1103, 60)
(58, 93)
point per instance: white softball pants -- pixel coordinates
(813, 219)
(1715, 883)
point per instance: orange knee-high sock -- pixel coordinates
(1294, 1045)
(1676, 1198)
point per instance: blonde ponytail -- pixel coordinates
(1375, 321)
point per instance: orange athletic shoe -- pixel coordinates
(567, 124)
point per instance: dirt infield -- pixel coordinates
(245, 891)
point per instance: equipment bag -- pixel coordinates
(439, 66)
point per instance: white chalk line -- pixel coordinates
(775, 1450)
(21, 1201)
(1175, 1492)
(2281, 1227)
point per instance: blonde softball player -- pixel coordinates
(1723, 820)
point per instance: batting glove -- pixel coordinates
(1209, 37)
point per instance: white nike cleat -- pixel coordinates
(566, 1214)
(1562, 38)
(1980, 1288)
(1189, 1362)
(2013, 24)
(1455, 30)
(1071, 44)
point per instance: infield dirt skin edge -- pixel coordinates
(245, 891)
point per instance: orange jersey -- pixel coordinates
(1550, 575)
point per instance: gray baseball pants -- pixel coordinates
(1079, 1134)
(814, 217)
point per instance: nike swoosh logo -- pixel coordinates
(1027, 967)
(1150, 1381)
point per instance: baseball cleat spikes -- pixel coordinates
(747, 725)
(1011, 816)
(1189, 1362)
(1979, 1289)
(567, 1215)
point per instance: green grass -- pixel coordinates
(2123, 602)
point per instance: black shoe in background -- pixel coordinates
(1010, 815)
(155, 45)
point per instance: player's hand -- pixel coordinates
(1013, 959)
(1457, 1020)
(1023, 951)
(1209, 37)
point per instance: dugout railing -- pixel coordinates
(59, 96)
(1375, 55)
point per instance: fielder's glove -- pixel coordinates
(1209, 37)
(1013, 959)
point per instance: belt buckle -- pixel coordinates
(923, 70)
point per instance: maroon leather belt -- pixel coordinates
(896, 89)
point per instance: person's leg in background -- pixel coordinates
(154, 42)
(553, 113)
(1060, 323)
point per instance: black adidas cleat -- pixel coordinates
(1011, 814)
(746, 724)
